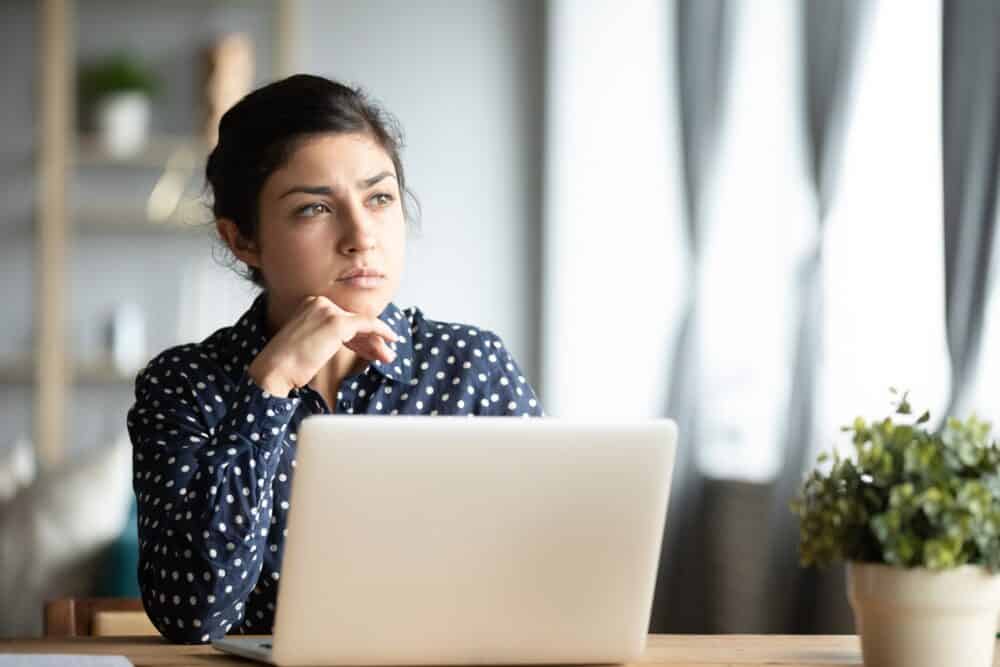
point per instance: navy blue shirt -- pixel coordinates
(214, 456)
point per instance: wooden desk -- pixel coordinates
(662, 650)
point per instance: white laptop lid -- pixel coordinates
(447, 540)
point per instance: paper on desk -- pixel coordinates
(59, 660)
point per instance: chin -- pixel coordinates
(368, 304)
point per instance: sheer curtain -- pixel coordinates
(827, 35)
(883, 275)
(971, 151)
(757, 230)
(613, 260)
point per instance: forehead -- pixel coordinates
(333, 157)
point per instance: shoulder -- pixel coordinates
(208, 362)
(439, 345)
(471, 361)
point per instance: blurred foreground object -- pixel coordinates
(228, 76)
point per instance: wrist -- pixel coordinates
(269, 379)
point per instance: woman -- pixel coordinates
(308, 192)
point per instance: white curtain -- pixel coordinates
(884, 268)
(758, 228)
(613, 260)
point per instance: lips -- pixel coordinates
(360, 272)
(361, 277)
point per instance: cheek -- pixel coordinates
(394, 256)
(295, 250)
(394, 243)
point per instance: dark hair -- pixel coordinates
(261, 131)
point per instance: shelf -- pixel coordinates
(94, 225)
(189, 221)
(118, 221)
(93, 372)
(186, 151)
(182, 216)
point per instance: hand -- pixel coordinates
(316, 331)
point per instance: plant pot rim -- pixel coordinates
(968, 567)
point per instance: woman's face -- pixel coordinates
(333, 210)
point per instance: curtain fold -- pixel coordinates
(700, 56)
(829, 33)
(970, 131)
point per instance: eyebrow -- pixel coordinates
(328, 191)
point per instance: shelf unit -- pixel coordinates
(59, 152)
(22, 371)
(159, 149)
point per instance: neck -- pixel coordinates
(342, 365)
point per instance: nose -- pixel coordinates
(359, 236)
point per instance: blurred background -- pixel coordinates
(753, 216)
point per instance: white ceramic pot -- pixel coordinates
(921, 618)
(122, 121)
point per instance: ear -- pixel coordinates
(245, 251)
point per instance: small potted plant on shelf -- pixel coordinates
(116, 92)
(916, 516)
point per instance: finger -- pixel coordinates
(388, 354)
(371, 347)
(306, 307)
(377, 327)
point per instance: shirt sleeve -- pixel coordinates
(508, 391)
(203, 472)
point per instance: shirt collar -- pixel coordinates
(401, 369)
(250, 335)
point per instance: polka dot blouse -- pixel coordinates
(214, 456)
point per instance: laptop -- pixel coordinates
(449, 540)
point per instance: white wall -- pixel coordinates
(465, 81)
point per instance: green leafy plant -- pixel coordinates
(906, 496)
(119, 72)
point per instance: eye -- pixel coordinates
(312, 210)
(382, 199)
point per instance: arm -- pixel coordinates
(203, 471)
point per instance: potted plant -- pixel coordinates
(916, 516)
(116, 92)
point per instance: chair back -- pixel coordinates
(97, 617)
